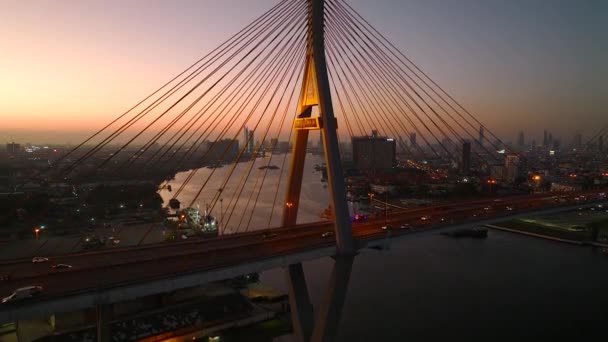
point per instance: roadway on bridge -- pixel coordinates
(123, 266)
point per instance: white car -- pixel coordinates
(39, 259)
(113, 240)
(327, 234)
(22, 293)
(425, 218)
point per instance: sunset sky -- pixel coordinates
(67, 67)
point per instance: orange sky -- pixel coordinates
(71, 66)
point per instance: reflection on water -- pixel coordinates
(504, 288)
(235, 209)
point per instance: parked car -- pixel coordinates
(23, 293)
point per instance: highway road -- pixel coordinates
(108, 268)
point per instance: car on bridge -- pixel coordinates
(92, 242)
(61, 266)
(359, 218)
(39, 259)
(327, 234)
(23, 293)
(269, 235)
(387, 227)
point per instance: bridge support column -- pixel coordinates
(302, 314)
(104, 315)
(330, 310)
(328, 318)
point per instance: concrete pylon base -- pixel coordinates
(325, 328)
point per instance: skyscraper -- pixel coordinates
(413, 140)
(520, 139)
(13, 148)
(374, 152)
(512, 167)
(481, 132)
(249, 141)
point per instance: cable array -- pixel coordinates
(385, 90)
(190, 127)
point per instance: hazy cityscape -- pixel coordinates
(265, 193)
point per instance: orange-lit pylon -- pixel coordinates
(315, 91)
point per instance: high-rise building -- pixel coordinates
(413, 140)
(466, 158)
(520, 139)
(511, 167)
(481, 137)
(373, 153)
(600, 143)
(249, 141)
(545, 140)
(13, 149)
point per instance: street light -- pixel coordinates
(536, 179)
(37, 232)
(289, 205)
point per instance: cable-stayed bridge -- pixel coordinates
(302, 66)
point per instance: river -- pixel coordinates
(506, 287)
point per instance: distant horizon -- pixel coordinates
(35, 137)
(515, 66)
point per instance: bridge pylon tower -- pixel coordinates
(315, 91)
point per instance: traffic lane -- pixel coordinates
(422, 211)
(91, 261)
(114, 275)
(102, 260)
(63, 283)
(196, 240)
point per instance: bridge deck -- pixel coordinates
(118, 275)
